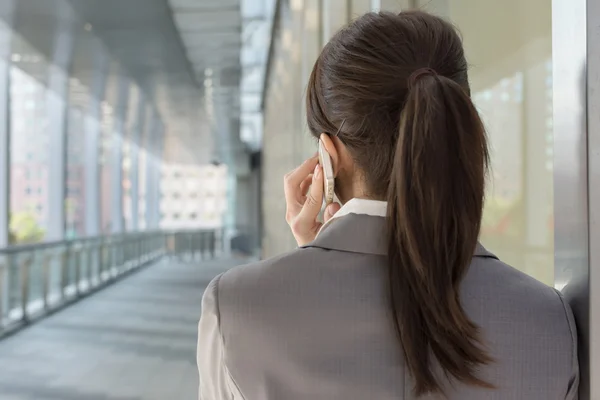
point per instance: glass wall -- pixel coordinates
(75, 174)
(80, 102)
(143, 168)
(29, 144)
(511, 82)
(79, 120)
(129, 153)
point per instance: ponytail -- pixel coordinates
(435, 204)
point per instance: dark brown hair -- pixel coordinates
(399, 85)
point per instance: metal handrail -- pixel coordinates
(38, 279)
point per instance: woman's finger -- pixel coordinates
(330, 211)
(293, 179)
(307, 218)
(291, 186)
(304, 187)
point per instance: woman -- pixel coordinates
(393, 298)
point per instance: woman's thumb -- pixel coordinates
(330, 211)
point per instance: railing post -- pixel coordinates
(127, 252)
(202, 245)
(132, 258)
(138, 251)
(77, 258)
(118, 251)
(25, 288)
(196, 245)
(89, 248)
(46, 280)
(28, 274)
(142, 248)
(167, 244)
(189, 246)
(100, 261)
(178, 252)
(12, 286)
(213, 244)
(63, 272)
(113, 260)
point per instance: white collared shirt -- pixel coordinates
(374, 208)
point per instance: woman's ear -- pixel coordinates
(333, 151)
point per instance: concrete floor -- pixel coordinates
(134, 340)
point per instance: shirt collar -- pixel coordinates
(373, 208)
(360, 233)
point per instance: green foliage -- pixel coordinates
(24, 228)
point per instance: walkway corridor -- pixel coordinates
(134, 340)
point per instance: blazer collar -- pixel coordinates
(374, 208)
(362, 233)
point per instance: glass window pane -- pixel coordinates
(75, 175)
(28, 146)
(105, 168)
(511, 82)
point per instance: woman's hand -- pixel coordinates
(304, 196)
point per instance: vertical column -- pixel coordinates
(6, 12)
(592, 90)
(92, 142)
(232, 172)
(159, 151)
(334, 15)
(143, 160)
(57, 107)
(116, 191)
(150, 133)
(136, 142)
(593, 120)
(153, 173)
(576, 103)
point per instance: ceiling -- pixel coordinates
(210, 31)
(227, 43)
(200, 62)
(211, 34)
(141, 36)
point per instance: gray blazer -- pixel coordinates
(315, 324)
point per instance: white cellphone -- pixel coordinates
(328, 178)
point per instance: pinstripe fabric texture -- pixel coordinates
(315, 324)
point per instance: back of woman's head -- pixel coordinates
(395, 90)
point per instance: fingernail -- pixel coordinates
(317, 171)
